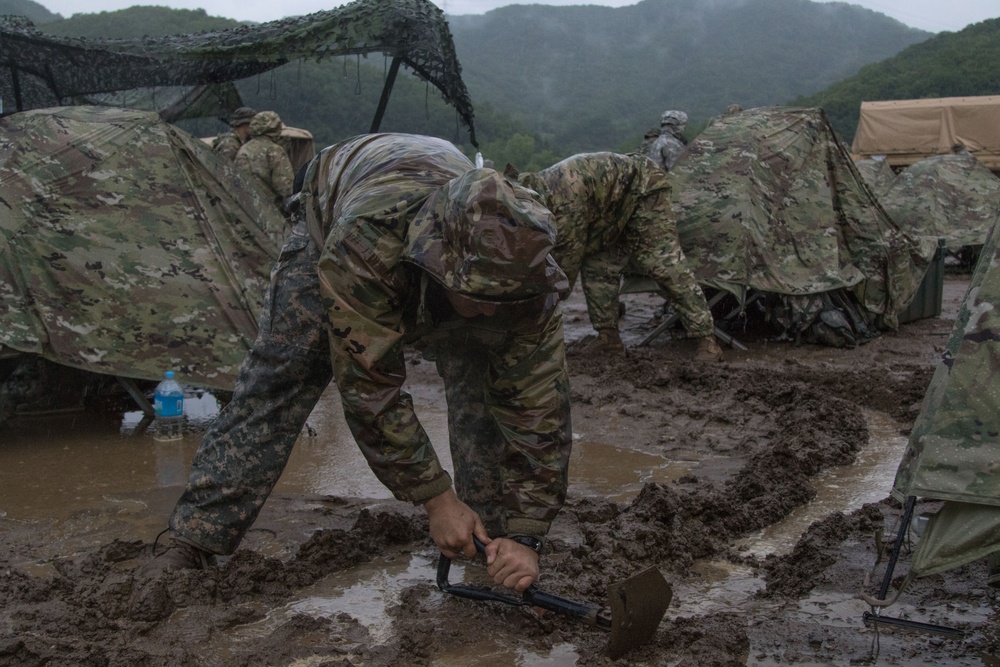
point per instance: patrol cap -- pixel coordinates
(266, 123)
(485, 237)
(673, 117)
(241, 116)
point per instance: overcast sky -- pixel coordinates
(930, 15)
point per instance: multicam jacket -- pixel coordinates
(665, 150)
(227, 144)
(612, 212)
(266, 159)
(393, 212)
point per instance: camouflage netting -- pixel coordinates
(769, 201)
(44, 71)
(127, 247)
(953, 197)
(954, 446)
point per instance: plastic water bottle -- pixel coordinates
(168, 404)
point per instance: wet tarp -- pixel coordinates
(906, 131)
(953, 197)
(127, 247)
(39, 70)
(877, 174)
(954, 446)
(769, 200)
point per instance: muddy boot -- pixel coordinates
(708, 350)
(180, 554)
(607, 341)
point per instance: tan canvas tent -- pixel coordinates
(906, 131)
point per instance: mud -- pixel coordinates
(753, 435)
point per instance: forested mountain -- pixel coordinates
(947, 65)
(547, 82)
(589, 77)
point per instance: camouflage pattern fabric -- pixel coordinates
(954, 446)
(227, 144)
(363, 199)
(665, 150)
(877, 174)
(373, 200)
(266, 159)
(769, 200)
(613, 213)
(127, 247)
(47, 70)
(283, 376)
(953, 197)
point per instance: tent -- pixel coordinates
(907, 131)
(770, 205)
(954, 446)
(952, 196)
(182, 73)
(127, 247)
(877, 174)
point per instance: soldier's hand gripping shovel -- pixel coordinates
(637, 605)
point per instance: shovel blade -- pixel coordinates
(637, 607)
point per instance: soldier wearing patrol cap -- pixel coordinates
(229, 142)
(665, 150)
(400, 240)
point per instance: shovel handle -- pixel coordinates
(532, 596)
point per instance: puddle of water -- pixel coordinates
(842, 489)
(599, 469)
(714, 587)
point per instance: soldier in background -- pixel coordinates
(647, 141)
(401, 240)
(613, 213)
(671, 142)
(228, 143)
(264, 157)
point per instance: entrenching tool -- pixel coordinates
(637, 604)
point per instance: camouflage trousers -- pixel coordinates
(245, 450)
(674, 279)
(479, 450)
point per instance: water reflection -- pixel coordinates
(841, 489)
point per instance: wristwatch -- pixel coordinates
(532, 543)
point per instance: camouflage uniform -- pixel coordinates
(389, 221)
(229, 143)
(613, 212)
(264, 157)
(670, 144)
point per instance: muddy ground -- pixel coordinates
(754, 433)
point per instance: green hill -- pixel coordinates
(951, 64)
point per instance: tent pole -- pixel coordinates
(911, 502)
(876, 618)
(390, 79)
(148, 414)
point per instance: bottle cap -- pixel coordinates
(169, 374)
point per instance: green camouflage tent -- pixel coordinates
(768, 201)
(953, 197)
(954, 447)
(877, 174)
(127, 247)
